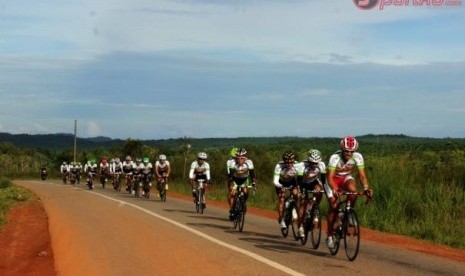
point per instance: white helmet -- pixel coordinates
(202, 155)
(162, 157)
(314, 155)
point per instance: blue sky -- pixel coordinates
(150, 69)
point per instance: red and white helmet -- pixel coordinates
(349, 143)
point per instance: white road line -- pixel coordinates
(200, 234)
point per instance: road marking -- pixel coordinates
(200, 234)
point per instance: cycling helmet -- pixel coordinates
(241, 152)
(314, 155)
(233, 152)
(138, 160)
(93, 161)
(64, 163)
(288, 157)
(112, 160)
(117, 160)
(104, 161)
(349, 143)
(162, 157)
(128, 158)
(146, 160)
(202, 155)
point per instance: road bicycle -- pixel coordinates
(146, 185)
(347, 227)
(90, 180)
(312, 219)
(240, 209)
(137, 184)
(117, 181)
(162, 188)
(72, 177)
(290, 214)
(103, 178)
(200, 196)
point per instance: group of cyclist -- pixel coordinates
(141, 169)
(312, 174)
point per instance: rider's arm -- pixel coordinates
(191, 171)
(207, 171)
(277, 172)
(168, 169)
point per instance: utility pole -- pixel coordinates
(75, 130)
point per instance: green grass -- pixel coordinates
(9, 196)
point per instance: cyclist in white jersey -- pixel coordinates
(162, 171)
(285, 176)
(340, 179)
(116, 169)
(241, 174)
(128, 166)
(199, 169)
(311, 177)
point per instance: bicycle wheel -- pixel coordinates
(294, 222)
(307, 227)
(163, 195)
(197, 201)
(337, 239)
(202, 200)
(241, 214)
(315, 227)
(352, 235)
(287, 220)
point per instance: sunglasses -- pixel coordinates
(349, 151)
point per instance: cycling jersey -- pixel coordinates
(285, 176)
(240, 173)
(147, 168)
(309, 172)
(64, 168)
(199, 171)
(162, 167)
(127, 167)
(342, 169)
(116, 168)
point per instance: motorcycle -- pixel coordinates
(43, 174)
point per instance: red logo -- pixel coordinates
(366, 4)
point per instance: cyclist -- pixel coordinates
(311, 177)
(147, 172)
(137, 174)
(104, 168)
(128, 166)
(162, 171)
(240, 175)
(90, 169)
(64, 170)
(200, 169)
(73, 170)
(79, 172)
(340, 179)
(285, 176)
(116, 169)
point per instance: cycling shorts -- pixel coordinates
(339, 182)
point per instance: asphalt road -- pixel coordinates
(103, 232)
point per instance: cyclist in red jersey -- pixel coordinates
(340, 179)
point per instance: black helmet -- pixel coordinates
(288, 157)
